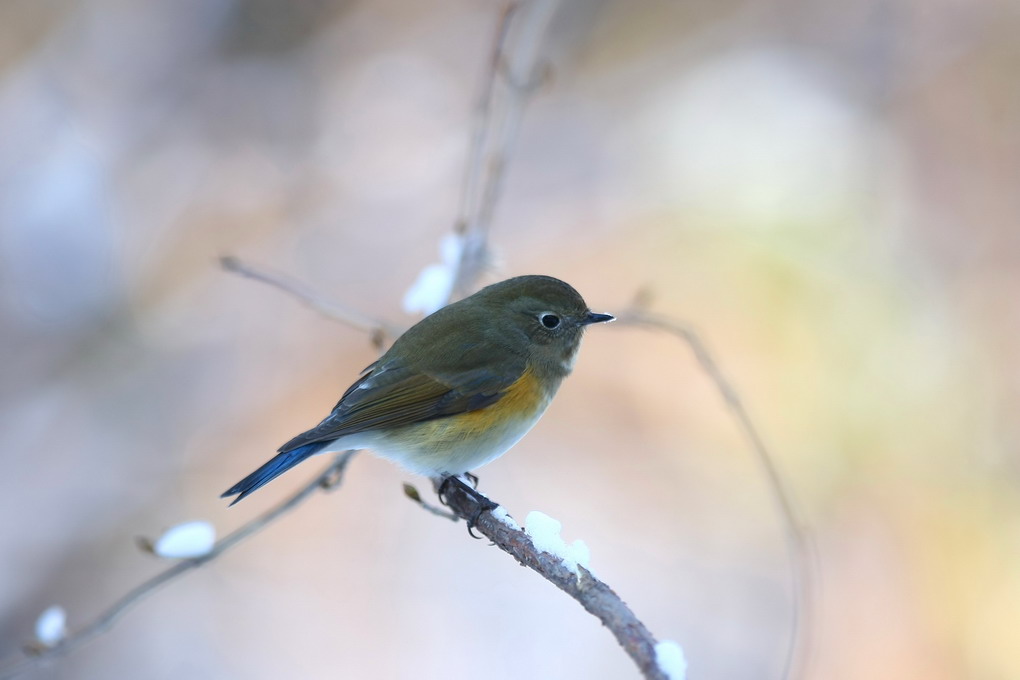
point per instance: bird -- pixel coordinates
(457, 389)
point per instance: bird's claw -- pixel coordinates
(484, 504)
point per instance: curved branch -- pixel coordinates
(328, 479)
(798, 541)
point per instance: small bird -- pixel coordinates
(457, 389)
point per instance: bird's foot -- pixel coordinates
(483, 503)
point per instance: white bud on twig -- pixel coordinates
(51, 626)
(434, 285)
(191, 539)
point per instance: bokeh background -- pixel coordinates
(826, 190)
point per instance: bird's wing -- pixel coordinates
(388, 396)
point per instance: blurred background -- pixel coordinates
(826, 190)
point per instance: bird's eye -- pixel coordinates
(549, 320)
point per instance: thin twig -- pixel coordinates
(514, 59)
(328, 479)
(412, 492)
(798, 542)
(378, 330)
(510, 79)
(594, 595)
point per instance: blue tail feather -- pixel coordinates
(271, 470)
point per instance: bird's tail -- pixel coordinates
(279, 464)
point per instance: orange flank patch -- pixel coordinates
(520, 402)
(496, 426)
(468, 440)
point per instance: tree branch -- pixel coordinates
(328, 479)
(594, 595)
(510, 79)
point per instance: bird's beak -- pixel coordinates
(592, 317)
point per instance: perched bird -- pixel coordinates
(457, 389)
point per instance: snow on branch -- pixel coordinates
(564, 571)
